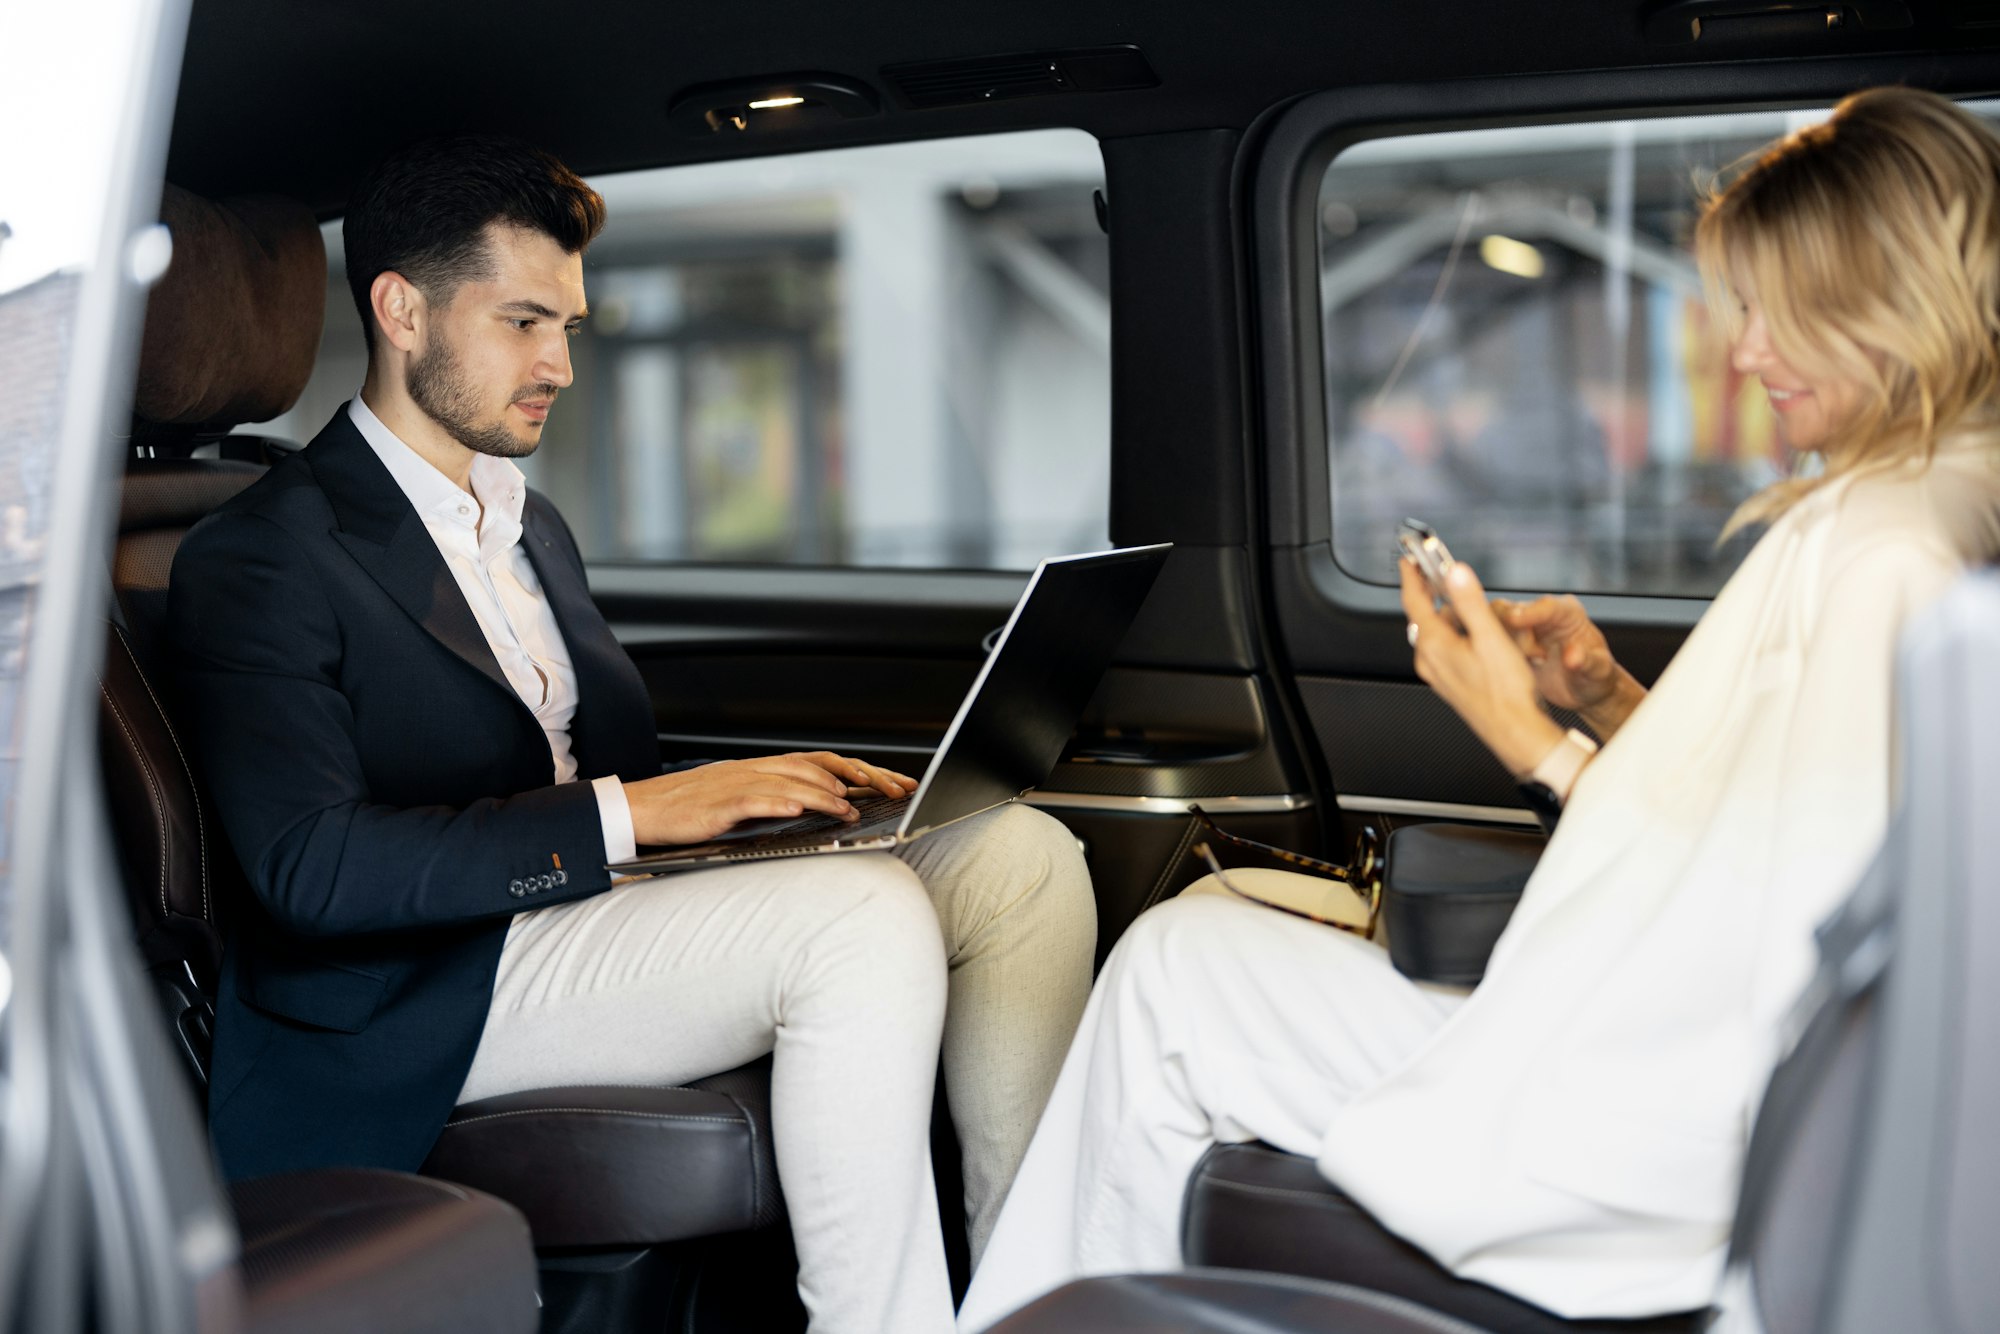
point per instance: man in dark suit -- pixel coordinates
(426, 746)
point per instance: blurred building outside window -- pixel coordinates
(1517, 351)
(885, 356)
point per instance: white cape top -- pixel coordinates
(1575, 1133)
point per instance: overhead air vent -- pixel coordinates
(1714, 22)
(945, 83)
(1973, 13)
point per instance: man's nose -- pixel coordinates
(554, 365)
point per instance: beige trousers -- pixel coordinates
(852, 970)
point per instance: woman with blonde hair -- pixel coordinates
(1571, 1132)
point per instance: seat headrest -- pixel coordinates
(234, 326)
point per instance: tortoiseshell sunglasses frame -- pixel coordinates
(1363, 876)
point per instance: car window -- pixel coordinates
(888, 356)
(1517, 351)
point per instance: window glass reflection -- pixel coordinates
(37, 321)
(1517, 351)
(890, 356)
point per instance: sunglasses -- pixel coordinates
(1363, 875)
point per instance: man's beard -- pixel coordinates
(439, 388)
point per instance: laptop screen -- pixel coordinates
(1014, 723)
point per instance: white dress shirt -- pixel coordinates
(479, 536)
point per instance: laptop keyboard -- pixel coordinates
(879, 815)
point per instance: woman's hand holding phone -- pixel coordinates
(1480, 672)
(1572, 663)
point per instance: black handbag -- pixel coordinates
(1447, 893)
(1438, 895)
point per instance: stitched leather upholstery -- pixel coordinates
(614, 1165)
(333, 1252)
(1214, 1302)
(173, 857)
(173, 854)
(1250, 1206)
(176, 863)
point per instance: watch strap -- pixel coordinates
(1558, 769)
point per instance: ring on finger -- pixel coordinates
(1410, 632)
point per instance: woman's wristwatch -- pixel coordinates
(1548, 784)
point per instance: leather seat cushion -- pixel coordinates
(1250, 1206)
(334, 1251)
(1199, 1301)
(614, 1165)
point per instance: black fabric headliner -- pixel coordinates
(295, 96)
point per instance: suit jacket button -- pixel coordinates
(562, 877)
(516, 888)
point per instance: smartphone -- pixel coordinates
(1426, 550)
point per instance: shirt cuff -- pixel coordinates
(614, 812)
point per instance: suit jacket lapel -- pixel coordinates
(569, 598)
(612, 728)
(381, 530)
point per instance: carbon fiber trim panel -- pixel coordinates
(1257, 771)
(1389, 739)
(1174, 734)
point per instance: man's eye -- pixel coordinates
(523, 325)
(572, 329)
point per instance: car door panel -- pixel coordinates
(749, 661)
(1389, 743)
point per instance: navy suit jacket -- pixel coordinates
(392, 801)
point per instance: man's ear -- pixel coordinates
(399, 309)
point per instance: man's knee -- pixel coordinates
(1043, 836)
(878, 891)
(882, 906)
(1028, 862)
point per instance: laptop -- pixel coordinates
(1007, 735)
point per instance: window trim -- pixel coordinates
(1291, 155)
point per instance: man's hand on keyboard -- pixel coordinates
(695, 805)
(862, 777)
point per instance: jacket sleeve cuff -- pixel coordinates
(614, 813)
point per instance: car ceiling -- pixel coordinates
(295, 97)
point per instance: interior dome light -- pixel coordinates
(774, 103)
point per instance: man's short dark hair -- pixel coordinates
(424, 212)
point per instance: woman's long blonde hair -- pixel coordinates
(1872, 244)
